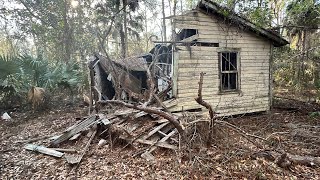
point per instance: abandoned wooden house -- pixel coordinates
(234, 53)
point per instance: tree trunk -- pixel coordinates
(125, 53)
(67, 37)
(164, 23)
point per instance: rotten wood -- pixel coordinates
(157, 143)
(43, 150)
(174, 120)
(153, 147)
(34, 139)
(76, 159)
(64, 150)
(75, 137)
(155, 130)
(80, 127)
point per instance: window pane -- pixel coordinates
(228, 61)
(233, 61)
(229, 81)
(224, 81)
(233, 81)
(225, 63)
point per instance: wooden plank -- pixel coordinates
(155, 130)
(153, 147)
(105, 121)
(183, 18)
(75, 159)
(139, 114)
(214, 49)
(234, 111)
(213, 58)
(36, 139)
(125, 112)
(244, 70)
(74, 137)
(169, 103)
(191, 38)
(159, 144)
(161, 120)
(80, 127)
(227, 104)
(175, 73)
(43, 150)
(64, 150)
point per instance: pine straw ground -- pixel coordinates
(228, 157)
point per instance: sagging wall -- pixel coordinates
(254, 94)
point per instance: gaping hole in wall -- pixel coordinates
(107, 89)
(163, 66)
(185, 33)
(229, 71)
(207, 44)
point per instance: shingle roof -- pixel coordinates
(130, 63)
(133, 63)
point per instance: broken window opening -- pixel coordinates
(228, 71)
(206, 44)
(185, 33)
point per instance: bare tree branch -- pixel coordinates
(166, 115)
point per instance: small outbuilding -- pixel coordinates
(234, 54)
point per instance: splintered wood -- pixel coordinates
(143, 131)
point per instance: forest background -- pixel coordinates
(46, 43)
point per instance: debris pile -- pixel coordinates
(142, 131)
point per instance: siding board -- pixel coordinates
(253, 69)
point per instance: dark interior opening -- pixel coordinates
(207, 44)
(185, 33)
(108, 91)
(229, 81)
(229, 73)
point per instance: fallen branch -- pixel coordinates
(150, 110)
(285, 160)
(243, 133)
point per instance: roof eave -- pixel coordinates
(277, 40)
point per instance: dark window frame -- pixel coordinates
(228, 69)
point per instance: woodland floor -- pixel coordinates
(228, 158)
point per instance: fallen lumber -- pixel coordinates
(155, 130)
(153, 147)
(64, 150)
(34, 139)
(174, 120)
(76, 159)
(75, 130)
(43, 150)
(159, 144)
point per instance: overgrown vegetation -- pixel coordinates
(19, 73)
(45, 44)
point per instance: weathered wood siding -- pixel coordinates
(254, 67)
